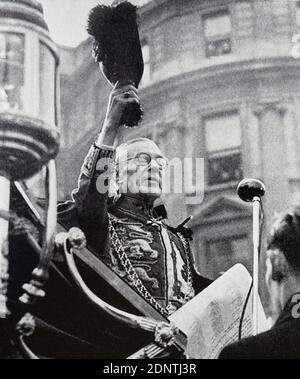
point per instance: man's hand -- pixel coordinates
(119, 98)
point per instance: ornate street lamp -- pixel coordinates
(29, 136)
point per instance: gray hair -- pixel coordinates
(125, 145)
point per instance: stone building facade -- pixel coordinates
(220, 83)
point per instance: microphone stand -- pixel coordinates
(256, 258)
(251, 190)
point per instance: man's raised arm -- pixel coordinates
(88, 207)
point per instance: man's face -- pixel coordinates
(139, 169)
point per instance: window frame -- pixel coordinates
(6, 33)
(222, 152)
(220, 37)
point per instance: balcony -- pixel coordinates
(218, 47)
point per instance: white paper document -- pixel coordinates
(211, 320)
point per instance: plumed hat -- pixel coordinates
(118, 50)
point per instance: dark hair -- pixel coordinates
(285, 236)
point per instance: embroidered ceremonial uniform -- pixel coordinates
(154, 258)
(153, 254)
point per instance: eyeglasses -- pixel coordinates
(144, 159)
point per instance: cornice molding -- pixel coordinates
(247, 69)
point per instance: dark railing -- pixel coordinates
(218, 46)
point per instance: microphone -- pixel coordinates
(249, 189)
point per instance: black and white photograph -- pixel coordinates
(149, 182)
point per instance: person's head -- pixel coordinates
(283, 260)
(140, 166)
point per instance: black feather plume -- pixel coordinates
(118, 49)
(116, 41)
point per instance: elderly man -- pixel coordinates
(115, 209)
(153, 258)
(283, 283)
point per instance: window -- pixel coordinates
(47, 85)
(225, 253)
(12, 57)
(147, 69)
(217, 30)
(223, 145)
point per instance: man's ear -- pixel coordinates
(280, 266)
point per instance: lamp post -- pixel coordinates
(29, 136)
